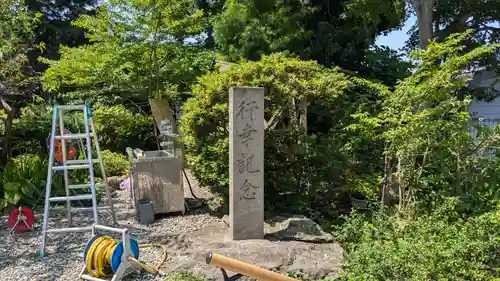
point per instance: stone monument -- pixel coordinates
(246, 163)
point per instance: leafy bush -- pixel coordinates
(32, 129)
(23, 180)
(430, 247)
(427, 128)
(447, 222)
(302, 168)
(119, 128)
(116, 164)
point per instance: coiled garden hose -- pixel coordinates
(100, 260)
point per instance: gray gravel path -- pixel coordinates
(19, 254)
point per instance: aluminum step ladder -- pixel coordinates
(68, 165)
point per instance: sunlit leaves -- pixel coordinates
(138, 51)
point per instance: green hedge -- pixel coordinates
(117, 127)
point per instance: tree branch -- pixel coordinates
(5, 105)
(484, 27)
(458, 25)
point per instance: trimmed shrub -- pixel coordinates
(116, 164)
(303, 168)
(119, 128)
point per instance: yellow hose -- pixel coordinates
(164, 257)
(98, 258)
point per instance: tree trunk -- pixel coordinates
(6, 142)
(8, 135)
(424, 9)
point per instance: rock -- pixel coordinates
(114, 181)
(296, 227)
(314, 260)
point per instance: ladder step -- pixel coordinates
(83, 209)
(85, 185)
(71, 107)
(71, 198)
(71, 136)
(69, 229)
(71, 167)
(81, 161)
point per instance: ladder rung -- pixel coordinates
(81, 161)
(71, 136)
(69, 229)
(82, 209)
(71, 198)
(105, 201)
(71, 107)
(85, 185)
(70, 167)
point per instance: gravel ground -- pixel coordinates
(19, 254)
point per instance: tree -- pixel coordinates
(139, 49)
(439, 19)
(427, 124)
(55, 28)
(384, 65)
(424, 10)
(17, 79)
(330, 32)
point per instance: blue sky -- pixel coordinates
(396, 39)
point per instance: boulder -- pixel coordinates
(296, 227)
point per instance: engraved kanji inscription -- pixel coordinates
(248, 190)
(247, 164)
(247, 106)
(246, 134)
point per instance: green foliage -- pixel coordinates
(23, 180)
(301, 169)
(184, 276)
(454, 16)
(116, 164)
(16, 25)
(119, 128)
(17, 80)
(385, 65)
(54, 28)
(137, 52)
(425, 248)
(447, 222)
(32, 128)
(332, 33)
(427, 130)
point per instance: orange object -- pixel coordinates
(71, 151)
(244, 268)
